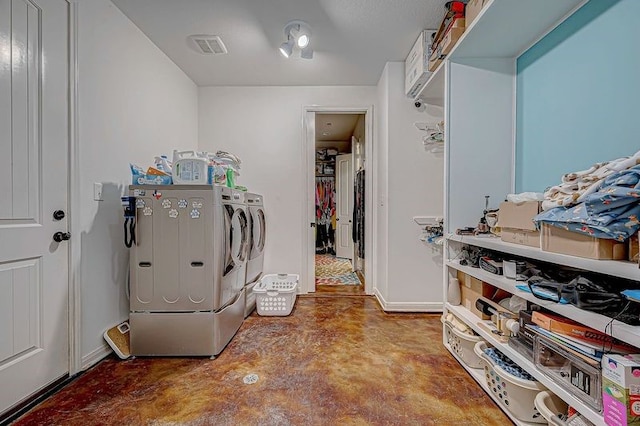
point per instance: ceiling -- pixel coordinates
(351, 39)
(335, 127)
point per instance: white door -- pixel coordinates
(34, 134)
(344, 205)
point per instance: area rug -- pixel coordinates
(331, 270)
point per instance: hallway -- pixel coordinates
(334, 361)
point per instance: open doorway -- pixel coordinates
(339, 256)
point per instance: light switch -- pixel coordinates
(97, 191)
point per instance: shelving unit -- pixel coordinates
(625, 332)
(476, 86)
(616, 268)
(469, 318)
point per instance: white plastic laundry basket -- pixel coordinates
(276, 294)
(515, 394)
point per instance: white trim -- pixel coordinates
(308, 199)
(75, 299)
(95, 356)
(407, 306)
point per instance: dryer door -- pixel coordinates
(229, 263)
(258, 229)
(240, 236)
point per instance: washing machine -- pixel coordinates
(255, 262)
(180, 302)
(236, 243)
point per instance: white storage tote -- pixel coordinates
(515, 389)
(276, 294)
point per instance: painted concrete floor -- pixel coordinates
(334, 361)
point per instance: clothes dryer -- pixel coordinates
(255, 262)
(236, 243)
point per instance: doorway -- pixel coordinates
(338, 202)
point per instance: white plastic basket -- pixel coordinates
(276, 294)
(462, 344)
(551, 407)
(515, 394)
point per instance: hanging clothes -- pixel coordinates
(325, 212)
(357, 229)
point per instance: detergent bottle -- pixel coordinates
(190, 168)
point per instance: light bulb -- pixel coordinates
(303, 41)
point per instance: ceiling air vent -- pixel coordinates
(208, 44)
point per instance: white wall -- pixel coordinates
(264, 127)
(411, 184)
(134, 103)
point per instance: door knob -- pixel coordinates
(59, 237)
(58, 215)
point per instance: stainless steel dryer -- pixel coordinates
(255, 262)
(236, 242)
(180, 303)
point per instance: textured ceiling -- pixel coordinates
(335, 127)
(352, 39)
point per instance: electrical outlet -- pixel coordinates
(97, 191)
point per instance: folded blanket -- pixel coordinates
(611, 209)
(577, 186)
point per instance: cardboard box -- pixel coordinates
(434, 62)
(468, 299)
(621, 389)
(516, 223)
(558, 240)
(472, 283)
(473, 10)
(634, 249)
(518, 215)
(416, 64)
(444, 45)
(517, 236)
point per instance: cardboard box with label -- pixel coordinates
(621, 389)
(516, 223)
(558, 240)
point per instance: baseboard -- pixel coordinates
(407, 306)
(95, 356)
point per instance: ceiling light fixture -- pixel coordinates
(298, 35)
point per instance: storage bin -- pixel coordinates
(569, 370)
(512, 386)
(551, 407)
(462, 344)
(276, 294)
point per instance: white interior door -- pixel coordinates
(34, 135)
(344, 205)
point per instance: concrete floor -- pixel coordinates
(334, 361)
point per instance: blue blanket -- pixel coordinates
(611, 212)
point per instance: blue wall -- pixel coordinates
(578, 94)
